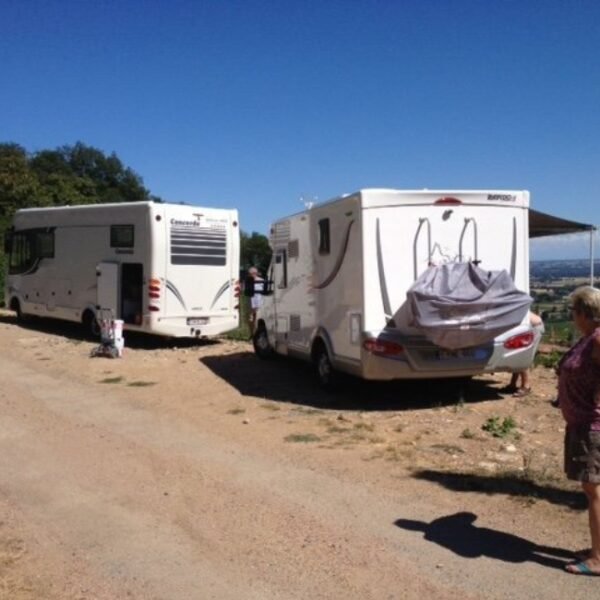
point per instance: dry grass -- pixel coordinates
(112, 380)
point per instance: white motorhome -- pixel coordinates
(341, 270)
(165, 269)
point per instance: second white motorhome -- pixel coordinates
(165, 269)
(341, 270)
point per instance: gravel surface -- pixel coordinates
(189, 471)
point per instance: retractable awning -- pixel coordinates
(542, 224)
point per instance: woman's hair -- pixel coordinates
(586, 301)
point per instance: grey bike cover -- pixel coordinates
(459, 305)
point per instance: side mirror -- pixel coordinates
(267, 287)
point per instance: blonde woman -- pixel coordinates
(579, 392)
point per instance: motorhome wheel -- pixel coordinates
(90, 324)
(260, 340)
(15, 306)
(328, 377)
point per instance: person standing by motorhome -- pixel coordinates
(253, 288)
(519, 390)
(579, 392)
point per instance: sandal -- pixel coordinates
(522, 392)
(580, 568)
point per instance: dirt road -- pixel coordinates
(197, 472)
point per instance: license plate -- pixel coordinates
(197, 321)
(454, 354)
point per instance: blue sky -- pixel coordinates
(256, 104)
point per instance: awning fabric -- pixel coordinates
(541, 224)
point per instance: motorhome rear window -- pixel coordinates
(324, 239)
(121, 236)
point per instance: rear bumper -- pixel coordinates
(181, 327)
(424, 360)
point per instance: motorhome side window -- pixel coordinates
(121, 236)
(28, 247)
(281, 269)
(324, 239)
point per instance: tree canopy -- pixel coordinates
(255, 252)
(68, 175)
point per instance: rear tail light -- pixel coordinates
(383, 347)
(154, 288)
(523, 340)
(236, 289)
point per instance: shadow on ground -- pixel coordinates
(289, 380)
(75, 332)
(508, 484)
(459, 534)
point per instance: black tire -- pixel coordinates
(15, 306)
(328, 377)
(260, 341)
(91, 328)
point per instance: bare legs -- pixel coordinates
(524, 388)
(592, 561)
(592, 491)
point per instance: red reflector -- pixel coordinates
(383, 347)
(154, 288)
(153, 308)
(523, 340)
(448, 202)
(154, 295)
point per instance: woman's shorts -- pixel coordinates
(582, 455)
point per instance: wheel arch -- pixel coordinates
(320, 338)
(14, 303)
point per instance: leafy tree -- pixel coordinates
(18, 185)
(81, 174)
(255, 251)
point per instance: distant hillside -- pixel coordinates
(555, 269)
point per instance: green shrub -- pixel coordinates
(548, 360)
(499, 428)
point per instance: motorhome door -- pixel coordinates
(107, 276)
(280, 284)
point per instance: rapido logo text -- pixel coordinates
(501, 197)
